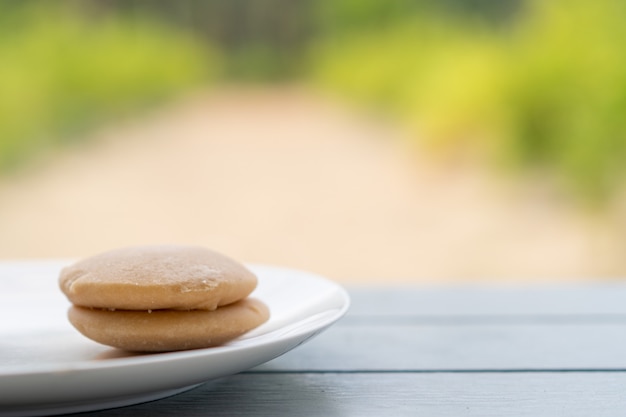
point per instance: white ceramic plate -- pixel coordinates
(47, 367)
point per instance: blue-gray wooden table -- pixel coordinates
(543, 351)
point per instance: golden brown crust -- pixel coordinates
(157, 277)
(168, 330)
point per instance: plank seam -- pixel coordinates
(439, 371)
(453, 320)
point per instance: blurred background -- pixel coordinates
(366, 140)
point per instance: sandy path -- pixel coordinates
(285, 177)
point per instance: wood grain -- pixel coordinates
(597, 300)
(460, 347)
(397, 395)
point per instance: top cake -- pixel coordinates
(157, 277)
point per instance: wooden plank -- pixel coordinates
(601, 298)
(397, 395)
(460, 347)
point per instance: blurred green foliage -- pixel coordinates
(62, 70)
(260, 40)
(546, 91)
(526, 84)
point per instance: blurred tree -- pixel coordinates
(61, 72)
(545, 92)
(269, 39)
(261, 40)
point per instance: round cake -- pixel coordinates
(161, 298)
